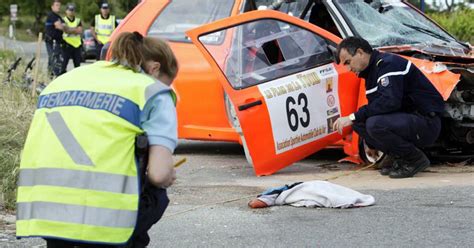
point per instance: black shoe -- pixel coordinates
(386, 165)
(410, 165)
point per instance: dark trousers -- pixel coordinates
(70, 52)
(53, 48)
(399, 133)
(99, 50)
(153, 203)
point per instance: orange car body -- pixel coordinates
(202, 88)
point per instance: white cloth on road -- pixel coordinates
(316, 194)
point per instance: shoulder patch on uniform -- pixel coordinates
(379, 61)
(384, 81)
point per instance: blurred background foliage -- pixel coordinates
(459, 23)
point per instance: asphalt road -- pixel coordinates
(434, 209)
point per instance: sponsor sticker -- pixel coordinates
(331, 121)
(332, 111)
(331, 100)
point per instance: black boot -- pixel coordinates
(410, 165)
(386, 165)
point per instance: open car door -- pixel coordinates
(278, 72)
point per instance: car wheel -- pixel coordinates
(363, 153)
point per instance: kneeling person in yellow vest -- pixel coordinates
(79, 182)
(72, 38)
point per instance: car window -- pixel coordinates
(181, 15)
(397, 23)
(267, 49)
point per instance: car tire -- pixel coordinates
(363, 148)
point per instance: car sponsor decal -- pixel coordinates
(331, 101)
(298, 106)
(332, 111)
(331, 121)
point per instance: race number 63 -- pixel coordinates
(295, 117)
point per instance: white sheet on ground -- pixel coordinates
(319, 194)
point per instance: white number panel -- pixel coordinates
(302, 106)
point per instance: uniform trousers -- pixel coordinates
(399, 133)
(53, 48)
(70, 52)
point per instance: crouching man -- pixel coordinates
(402, 114)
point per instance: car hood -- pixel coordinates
(435, 52)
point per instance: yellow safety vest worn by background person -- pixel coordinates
(72, 39)
(78, 174)
(104, 28)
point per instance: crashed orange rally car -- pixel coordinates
(262, 73)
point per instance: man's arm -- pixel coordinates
(160, 171)
(388, 93)
(58, 24)
(78, 30)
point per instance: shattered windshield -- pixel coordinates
(180, 16)
(391, 22)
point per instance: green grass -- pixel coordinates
(16, 111)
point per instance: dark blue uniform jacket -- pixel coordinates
(394, 84)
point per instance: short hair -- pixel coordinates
(351, 44)
(55, 1)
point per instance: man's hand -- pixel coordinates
(341, 123)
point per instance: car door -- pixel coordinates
(278, 72)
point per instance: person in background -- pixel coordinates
(79, 182)
(102, 27)
(54, 27)
(403, 110)
(72, 38)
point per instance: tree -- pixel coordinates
(37, 8)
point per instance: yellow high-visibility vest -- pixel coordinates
(104, 28)
(72, 39)
(78, 174)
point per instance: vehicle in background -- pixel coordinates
(89, 45)
(212, 106)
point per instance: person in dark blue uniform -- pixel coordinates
(402, 114)
(54, 27)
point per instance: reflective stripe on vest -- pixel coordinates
(72, 39)
(104, 28)
(78, 174)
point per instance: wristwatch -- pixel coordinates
(352, 117)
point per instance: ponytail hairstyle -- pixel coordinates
(127, 50)
(133, 50)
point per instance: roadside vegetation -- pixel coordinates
(32, 14)
(459, 23)
(16, 111)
